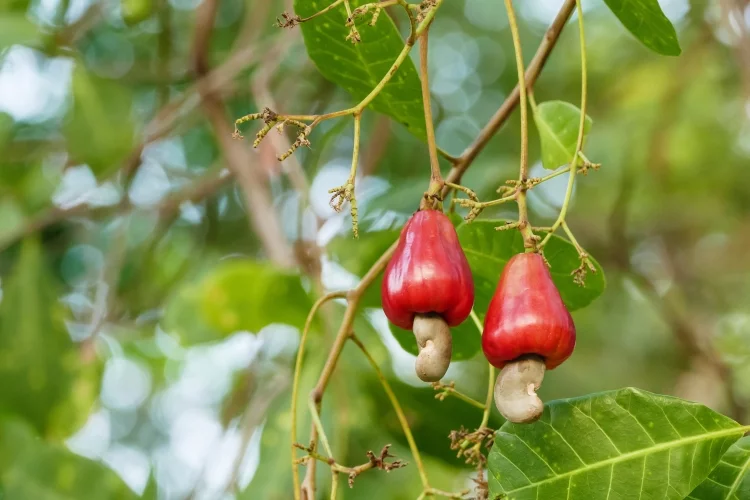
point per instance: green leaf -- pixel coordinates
(730, 479)
(99, 128)
(359, 68)
(617, 444)
(31, 468)
(42, 374)
(646, 21)
(237, 295)
(558, 124)
(15, 5)
(16, 28)
(135, 11)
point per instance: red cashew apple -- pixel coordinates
(428, 287)
(527, 329)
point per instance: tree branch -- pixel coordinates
(503, 113)
(263, 219)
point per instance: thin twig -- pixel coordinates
(529, 240)
(399, 412)
(262, 217)
(297, 373)
(503, 113)
(436, 178)
(573, 166)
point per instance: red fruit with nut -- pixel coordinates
(527, 329)
(427, 287)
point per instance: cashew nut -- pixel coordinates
(515, 389)
(435, 346)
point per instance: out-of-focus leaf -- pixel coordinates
(358, 256)
(135, 11)
(558, 124)
(31, 468)
(6, 128)
(730, 479)
(184, 317)
(11, 218)
(99, 128)
(358, 68)
(617, 444)
(647, 22)
(43, 376)
(237, 295)
(15, 5)
(16, 28)
(732, 339)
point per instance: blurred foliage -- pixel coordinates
(145, 330)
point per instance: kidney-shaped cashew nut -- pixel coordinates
(515, 389)
(435, 346)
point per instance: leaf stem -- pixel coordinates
(353, 297)
(319, 426)
(399, 412)
(450, 389)
(573, 166)
(549, 40)
(529, 241)
(436, 178)
(491, 377)
(297, 371)
(323, 11)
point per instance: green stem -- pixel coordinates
(399, 412)
(573, 167)
(295, 384)
(436, 179)
(491, 378)
(523, 213)
(321, 12)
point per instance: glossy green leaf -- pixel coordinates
(16, 28)
(237, 295)
(99, 128)
(730, 480)
(558, 123)
(646, 21)
(43, 376)
(359, 68)
(33, 469)
(617, 444)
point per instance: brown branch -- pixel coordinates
(374, 462)
(263, 219)
(503, 113)
(168, 209)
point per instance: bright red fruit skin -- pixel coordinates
(527, 316)
(428, 273)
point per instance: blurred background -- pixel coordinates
(155, 273)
